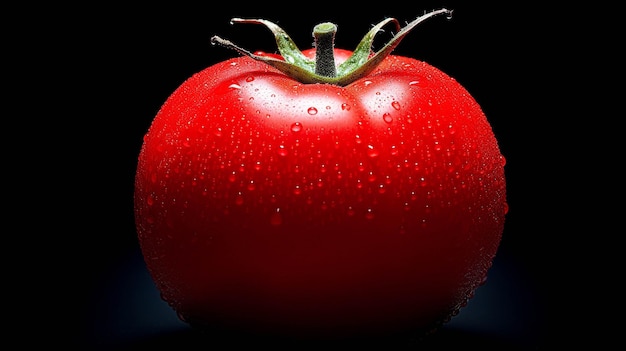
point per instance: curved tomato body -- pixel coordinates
(270, 206)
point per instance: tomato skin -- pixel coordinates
(270, 206)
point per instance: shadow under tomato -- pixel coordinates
(128, 314)
(443, 339)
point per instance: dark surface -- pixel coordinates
(504, 314)
(117, 65)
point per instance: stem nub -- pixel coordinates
(324, 35)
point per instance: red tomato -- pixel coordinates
(270, 206)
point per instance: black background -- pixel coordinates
(101, 73)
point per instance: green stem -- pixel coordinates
(324, 35)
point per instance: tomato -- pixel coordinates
(361, 206)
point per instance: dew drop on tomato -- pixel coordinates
(394, 150)
(239, 199)
(282, 151)
(381, 189)
(350, 211)
(371, 177)
(276, 218)
(372, 151)
(296, 127)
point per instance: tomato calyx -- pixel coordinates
(323, 69)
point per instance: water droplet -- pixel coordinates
(218, 132)
(451, 129)
(235, 86)
(413, 82)
(367, 82)
(150, 200)
(345, 106)
(251, 185)
(180, 315)
(239, 199)
(395, 105)
(296, 127)
(371, 177)
(249, 79)
(282, 151)
(312, 111)
(297, 190)
(369, 214)
(372, 151)
(276, 218)
(387, 118)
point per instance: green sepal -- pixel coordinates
(301, 68)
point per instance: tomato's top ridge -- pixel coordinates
(323, 68)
